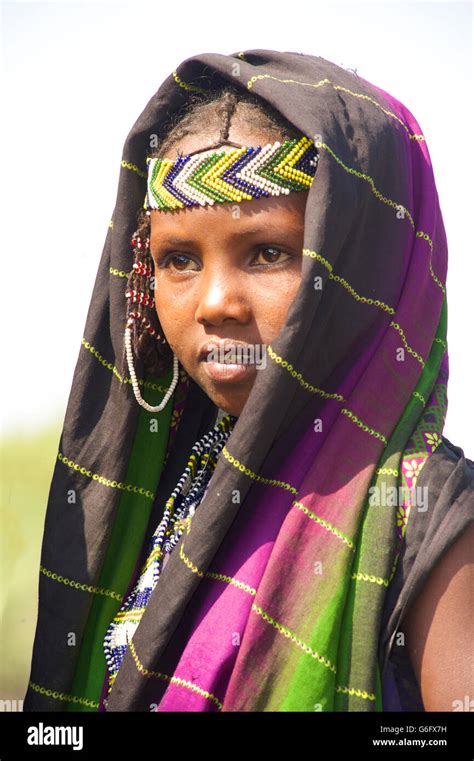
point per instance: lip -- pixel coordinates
(220, 346)
(229, 372)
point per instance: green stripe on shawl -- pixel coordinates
(347, 640)
(379, 530)
(133, 512)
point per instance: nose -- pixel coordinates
(222, 297)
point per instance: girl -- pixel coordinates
(253, 506)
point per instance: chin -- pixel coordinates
(228, 396)
(232, 405)
(231, 400)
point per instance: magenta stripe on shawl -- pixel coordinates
(208, 659)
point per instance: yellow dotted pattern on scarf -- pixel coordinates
(106, 481)
(112, 368)
(133, 168)
(387, 471)
(62, 696)
(188, 562)
(77, 585)
(185, 85)
(288, 366)
(425, 236)
(315, 255)
(358, 693)
(332, 529)
(243, 469)
(388, 201)
(291, 635)
(371, 578)
(118, 273)
(420, 397)
(233, 582)
(307, 649)
(407, 347)
(323, 82)
(362, 425)
(211, 574)
(326, 395)
(172, 679)
(365, 300)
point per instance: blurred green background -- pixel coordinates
(27, 464)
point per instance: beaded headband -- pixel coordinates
(242, 174)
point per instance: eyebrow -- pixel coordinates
(176, 240)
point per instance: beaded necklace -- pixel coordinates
(179, 510)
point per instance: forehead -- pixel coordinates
(282, 213)
(240, 132)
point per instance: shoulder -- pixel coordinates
(438, 623)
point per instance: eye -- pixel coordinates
(274, 255)
(177, 262)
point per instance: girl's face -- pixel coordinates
(225, 275)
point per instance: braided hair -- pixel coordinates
(216, 108)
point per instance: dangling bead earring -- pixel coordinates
(136, 390)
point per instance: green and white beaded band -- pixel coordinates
(237, 175)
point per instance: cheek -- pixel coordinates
(173, 312)
(167, 311)
(272, 303)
